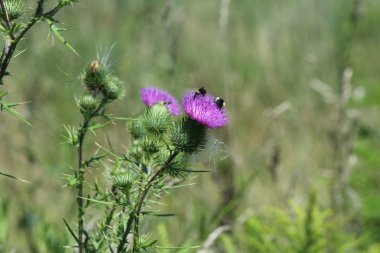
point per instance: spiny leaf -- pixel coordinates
(72, 135)
(15, 28)
(14, 113)
(158, 214)
(3, 93)
(94, 158)
(13, 177)
(184, 247)
(97, 126)
(97, 201)
(71, 231)
(57, 33)
(3, 29)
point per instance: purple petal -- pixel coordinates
(151, 96)
(204, 110)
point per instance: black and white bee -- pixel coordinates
(219, 102)
(201, 92)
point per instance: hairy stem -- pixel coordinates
(81, 171)
(12, 42)
(134, 216)
(81, 135)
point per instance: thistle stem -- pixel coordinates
(81, 136)
(81, 171)
(12, 42)
(135, 213)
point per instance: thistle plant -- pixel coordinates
(157, 158)
(102, 88)
(14, 25)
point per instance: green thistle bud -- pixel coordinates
(188, 136)
(123, 180)
(95, 77)
(112, 89)
(157, 119)
(87, 103)
(149, 146)
(136, 128)
(14, 9)
(135, 150)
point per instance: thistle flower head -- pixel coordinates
(151, 96)
(205, 109)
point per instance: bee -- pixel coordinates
(201, 92)
(219, 102)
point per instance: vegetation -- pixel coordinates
(295, 170)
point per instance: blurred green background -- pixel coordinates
(297, 169)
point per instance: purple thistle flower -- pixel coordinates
(151, 96)
(204, 110)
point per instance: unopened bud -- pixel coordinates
(14, 9)
(112, 89)
(95, 77)
(189, 136)
(87, 103)
(123, 180)
(157, 119)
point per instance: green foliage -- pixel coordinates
(179, 167)
(296, 228)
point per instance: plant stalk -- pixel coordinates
(81, 135)
(81, 171)
(11, 44)
(134, 216)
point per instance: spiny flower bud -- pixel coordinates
(136, 128)
(188, 136)
(156, 119)
(14, 9)
(123, 180)
(112, 89)
(95, 76)
(149, 146)
(135, 150)
(87, 103)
